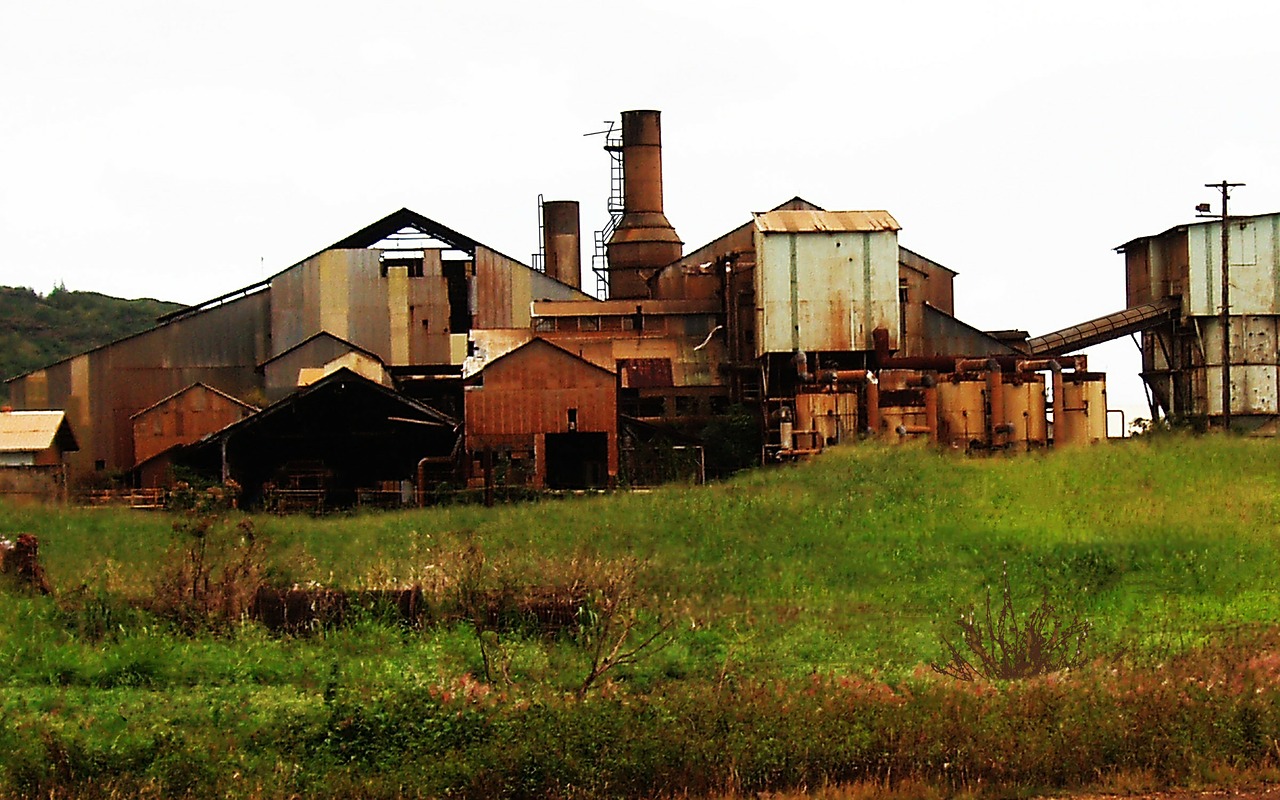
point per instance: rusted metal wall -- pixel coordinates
(503, 289)
(945, 335)
(281, 373)
(1254, 369)
(1254, 250)
(184, 418)
(103, 388)
(295, 306)
(825, 290)
(529, 392)
(341, 292)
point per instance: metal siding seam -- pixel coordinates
(1275, 261)
(795, 295)
(866, 294)
(1208, 271)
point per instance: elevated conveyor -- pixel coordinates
(1103, 329)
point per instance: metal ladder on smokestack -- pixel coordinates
(617, 203)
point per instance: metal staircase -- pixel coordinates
(600, 256)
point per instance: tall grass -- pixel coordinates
(848, 567)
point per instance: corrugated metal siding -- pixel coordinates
(825, 221)
(825, 291)
(367, 295)
(281, 373)
(183, 419)
(295, 306)
(529, 392)
(220, 347)
(1254, 250)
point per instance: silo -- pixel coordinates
(561, 241)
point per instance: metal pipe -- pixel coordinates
(995, 402)
(802, 367)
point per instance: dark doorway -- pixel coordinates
(577, 460)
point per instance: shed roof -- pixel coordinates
(31, 431)
(825, 221)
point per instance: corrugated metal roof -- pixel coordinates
(25, 431)
(828, 221)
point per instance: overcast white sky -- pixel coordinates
(180, 150)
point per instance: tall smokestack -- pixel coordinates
(561, 241)
(644, 240)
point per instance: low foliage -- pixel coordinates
(999, 645)
(808, 599)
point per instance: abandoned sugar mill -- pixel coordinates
(408, 358)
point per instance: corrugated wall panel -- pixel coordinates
(368, 323)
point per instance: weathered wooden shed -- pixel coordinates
(549, 410)
(33, 447)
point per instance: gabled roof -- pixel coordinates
(825, 221)
(200, 385)
(367, 237)
(536, 341)
(324, 335)
(341, 378)
(33, 431)
(397, 221)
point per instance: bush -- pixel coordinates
(998, 646)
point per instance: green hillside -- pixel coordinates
(37, 330)
(803, 608)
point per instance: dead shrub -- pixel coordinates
(996, 645)
(212, 569)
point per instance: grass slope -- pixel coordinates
(795, 588)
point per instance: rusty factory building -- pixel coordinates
(408, 355)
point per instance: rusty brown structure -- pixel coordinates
(818, 322)
(180, 419)
(546, 413)
(562, 241)
(643, 241)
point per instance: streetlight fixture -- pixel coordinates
(1203, 211)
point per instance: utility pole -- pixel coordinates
(1225, 322)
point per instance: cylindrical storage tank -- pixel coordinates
(1083, 417)
(832, 415)
(962, 411)
(561, 240)
(644, 240)
(1024, 409)
(904, 408)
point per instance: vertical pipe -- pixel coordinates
(873, 405)
(931, 411)
(995, 401)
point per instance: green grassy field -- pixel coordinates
(786, 590)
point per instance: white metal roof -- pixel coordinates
(24, 431)
(826, 221)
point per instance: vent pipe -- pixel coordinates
(644, 241)
(561, 241)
